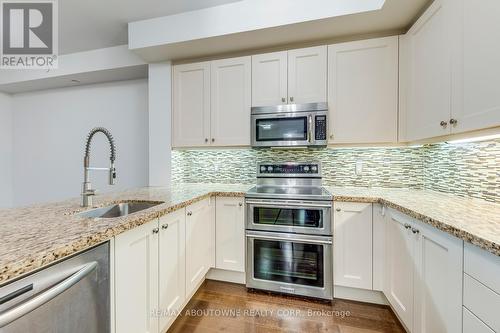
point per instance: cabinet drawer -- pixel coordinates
(483, 266)
(482, 301)
(473, 324)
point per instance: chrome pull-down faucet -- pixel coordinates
(87, 191)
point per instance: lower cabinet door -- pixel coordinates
(200, 243)
(136, 279)
(172, 267)
(230, 234)
(473, 324)
(438, 280)
(352, 246)
(400, 267)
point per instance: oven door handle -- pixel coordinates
(310, 129)
(25, 308)
(288, 204)
(290, 239)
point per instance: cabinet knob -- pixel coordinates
(443, 123)
(331, 136)
(206, 139)
(240, 204)
(291, 98)
(189, 213)
(415, 231)
(453, 121)
(283, 99)
(156, 230)
(407, 226)
(338, 209)
(213, 140)
(165, 226)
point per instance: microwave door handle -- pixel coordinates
(30, 305)
(310, 129)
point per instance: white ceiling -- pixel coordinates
(93, 24)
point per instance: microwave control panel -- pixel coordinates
(320, 124)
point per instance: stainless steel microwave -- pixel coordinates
(291, 125)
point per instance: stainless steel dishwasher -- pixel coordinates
(70, 296)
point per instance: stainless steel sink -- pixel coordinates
(117, 210)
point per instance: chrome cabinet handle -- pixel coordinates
(443, 123)
(453, 121)
(24, 308)
(291, 98)
(415, 231)
(283, 99)
(164, 226)
(156, 230)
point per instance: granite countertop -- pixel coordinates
(38, 235)
(473, 220)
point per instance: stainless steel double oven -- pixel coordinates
(289, 231)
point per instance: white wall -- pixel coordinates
(160, 115)
(6, 192)
(50, 128)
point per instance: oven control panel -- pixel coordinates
(289, 169)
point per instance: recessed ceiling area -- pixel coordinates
(94, 24)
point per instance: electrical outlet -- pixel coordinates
(359, 168)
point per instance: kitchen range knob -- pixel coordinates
(165, 226)
(443, 123)
(314, 168)
(306, 168)
(156, 230)
(262, 168)
(453, 121)
(269, 168)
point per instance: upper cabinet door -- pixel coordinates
(231, 101)
(191, 114)
(363, 91)
(476, 65)
(269, 79)
(307, 75)
(427, 85)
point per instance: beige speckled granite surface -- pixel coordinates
(35, 236)
(473, 220)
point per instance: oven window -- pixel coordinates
(289, 262)
(308, 218)
(281, 129)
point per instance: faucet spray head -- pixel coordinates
(112, 174)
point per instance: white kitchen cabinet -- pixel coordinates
(172, 267)
(400, 267)
(269, 79)
(290, 77)
(136, 279)
(231, 101)
(191, 105)
(230, 234)
(200, 243)
(363, 91)
(353, 245)
(426, 69)
(438, 281)
(476, 70)
(380, 218)
(307, 75)
(473, 324)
